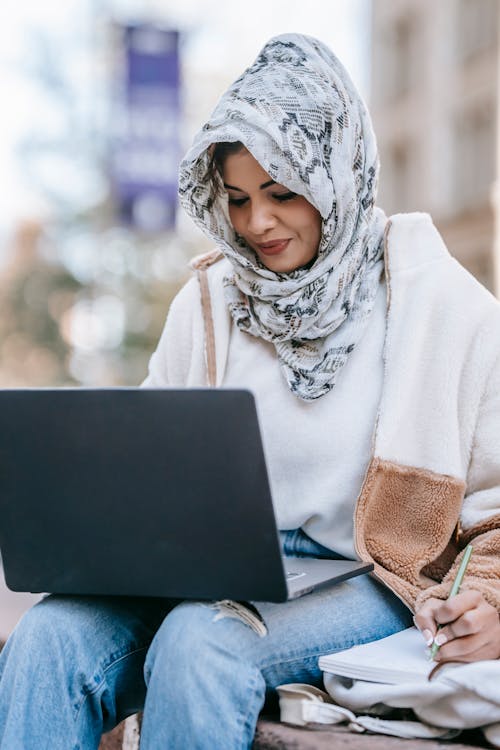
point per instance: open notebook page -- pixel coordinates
(402, 657)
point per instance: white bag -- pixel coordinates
(459, 696)
(305, 705)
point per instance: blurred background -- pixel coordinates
(100, 99)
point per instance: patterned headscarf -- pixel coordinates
(300, 116)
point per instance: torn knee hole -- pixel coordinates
(243, 611)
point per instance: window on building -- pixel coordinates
(475, 156)
(477, 26)
(401, 56)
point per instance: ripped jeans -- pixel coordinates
(76, 666)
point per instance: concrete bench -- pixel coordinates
(272, 735)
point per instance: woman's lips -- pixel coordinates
(274, 247)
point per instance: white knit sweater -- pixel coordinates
(317, 452)
(439, 409)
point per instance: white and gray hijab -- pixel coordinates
(298, 113)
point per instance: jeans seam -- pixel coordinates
(243, 717)
(89, 692)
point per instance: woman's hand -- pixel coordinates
(470, 627)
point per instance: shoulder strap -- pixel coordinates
(200, 264)
(206, 308)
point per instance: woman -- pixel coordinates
(375, 362)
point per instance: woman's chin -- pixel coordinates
(284, 265)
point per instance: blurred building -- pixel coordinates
(434, 104)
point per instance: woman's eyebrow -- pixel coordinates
(261, 187)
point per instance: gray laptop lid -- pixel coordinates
(136, 492)
(143, 492)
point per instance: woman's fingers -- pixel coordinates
(467, 648)
(465, 627)
(451, 609)
(425, 619)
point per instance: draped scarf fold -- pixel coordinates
(300, 116)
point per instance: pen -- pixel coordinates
(455, 589)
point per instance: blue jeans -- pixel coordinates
(76, 666)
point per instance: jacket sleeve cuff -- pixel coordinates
(489, 589)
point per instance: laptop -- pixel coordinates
(144, 492)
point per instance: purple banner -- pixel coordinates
(145, 153)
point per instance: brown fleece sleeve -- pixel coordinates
(483, 571)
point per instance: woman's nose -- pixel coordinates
(261, 219)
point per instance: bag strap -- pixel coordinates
(206, 308)
(302, 704)
(305, 705)
(200, 264)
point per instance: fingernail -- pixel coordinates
(440, 639)
(427, 637)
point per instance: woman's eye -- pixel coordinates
(236, 201)
(281, 197)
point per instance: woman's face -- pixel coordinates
(283, 228)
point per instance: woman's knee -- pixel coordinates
(50, 627)
(200, 635)
(48, 620)
(57, 625)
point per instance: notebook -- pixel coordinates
(144, 492)
(397, 659)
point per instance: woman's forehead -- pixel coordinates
(243, 166)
